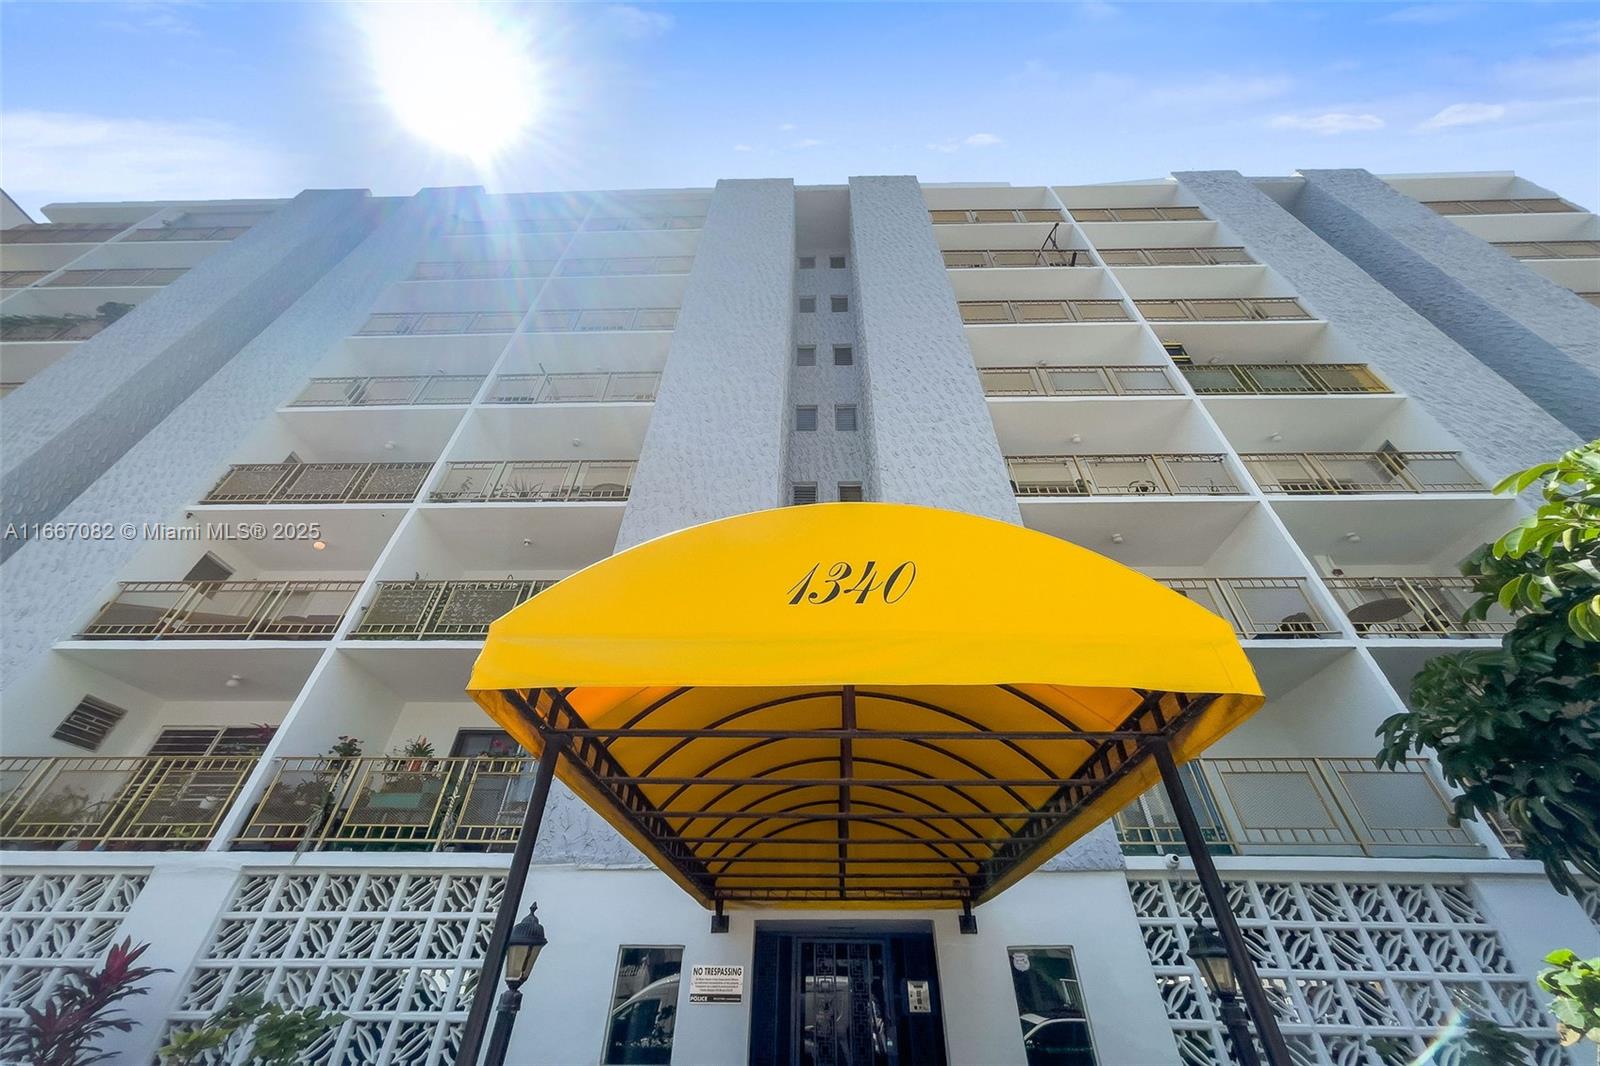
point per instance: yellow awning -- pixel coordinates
(860, 704)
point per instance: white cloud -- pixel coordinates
(152, 16)
(1464, 115)
(1424, 14)
(973, 140)
(743, 148)
(806, 142)
(49, 155)
(1329, 123)
(638, 23)
(982, 140)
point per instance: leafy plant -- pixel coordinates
(417, 748)
(274, 1036)
(79, 1013)
(345, 747)
(1575, 984)
(1483, 1043)
(1518, 730)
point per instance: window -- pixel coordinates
(850, 492)
(89, 723)
(844, 418)
(839, 304)
(205, 740)
(644, 1006)
(843, 355)
(808, 262)
(805, 492)
(805, 355)
(836, 262)
(805, 419)
(808, 305)
(1055, 1028)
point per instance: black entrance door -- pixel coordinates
(864, 998)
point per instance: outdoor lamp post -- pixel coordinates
(1210, 956)
(522, 951)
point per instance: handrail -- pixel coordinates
(319, 483)
(959, 216)
(600, 387)
(1533, 205)
(1268, 379)
(1275, 607)
(188, 233)
(114, 277)
(1166, 213)
(636, 223)
(964, 258)
(61, 232)
(1177, 473)
(1354, 473)
(1242, 309)
(441, 610)
(1550, 249)
(1178, 255)
(223, 610)
(439, 323)
(396, 389)
(1133, 380)
(1028, 312)
(539, 480)
(480, 269)
(597, 319)
(625, 266)
(1415, 607)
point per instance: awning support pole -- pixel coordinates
(510, 900)
(1250, 987)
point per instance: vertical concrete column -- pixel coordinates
(1539, 336)
(931, 439)
(80, 415)
(717, 435)
(1488, 414)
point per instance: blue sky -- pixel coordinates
(156, 100)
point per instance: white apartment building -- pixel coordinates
(270, 469)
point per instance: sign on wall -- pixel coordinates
(716, 984)
(918, 997)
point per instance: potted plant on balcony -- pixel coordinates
(410, 784)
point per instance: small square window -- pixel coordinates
(843, 355)
(804, 493)
(805, 419)
(839, 303)
(844, 418)
(836, 262)
(808, 305)
(805, 355)
(808, 262)
(850, 492)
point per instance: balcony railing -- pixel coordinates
(632, 223)
(61, 233)
(1138, 214)
(223, 610)
(1076, 381)
(478, 227)
(441, 610)
(1277, 607)
(20, 279)
(1415, 607)
(440, 323)
(50, 327)
(1269, 379)
(474, 803)
(618, 387)
(1293, 806)
(140, 801)
(188, 233)
(1539, 205)
(540, 480)
(1019, 257)
(997, 214)
(1001, 312)
(624, 266)
(1121, 475)
(1254, 309)
(1550, 249)
(122, 276)
(604, 318)
(417, 389)
(1191, 256)
(1344, 473)
(319, 483)
(481, 269)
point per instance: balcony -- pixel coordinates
(1018, 257)
(132, 802)
(441, 610)
(1550, 249)
(1138, 214)
(1191, 256)
(1542, 205)
(1355, 473)
(20, 279)
(626, 266)
(638, 223)
(1249, 309)
(1027, 312)
(1001, 381)
(188, 233)
(50, 327)
(482, 269)
(1291, 806)
(63, 233)
(440, 323)
(1282, 379)
(121, 276)
(1276, 607)
(482, 227)
(1415, 607)
(595, 319)
(997, 214)
(319, 483)
(401, 390)
(376, 803)
(633, 387)
(534, 480)
(223, 610)
(1121, 475)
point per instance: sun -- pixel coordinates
(455, 75)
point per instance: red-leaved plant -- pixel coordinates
(78, 1013)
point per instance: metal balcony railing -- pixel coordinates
(619, 387)
(188, 233)
(632, 223)
(997, 214)
(595, 319)
(1415, 607)
(1539, 205)
(481, 269)
(1187, 256)
(440, 323)
(465, 803)
(1550, 249)
(1296, 806)
(440, 610)
(1019, 257)
(223, 610)
(82, 279)
(50, 327)
(1024, 312)
(478, 227)
(1250, 309)
(1345, 473)
(61, 233)
(414, 389)
(540, 480)
(1121, 475)
(319, 483)
(1270, 379)
(1076, 381)
(1277, 607)
(136, 801)
(626, 266)
(20, 279)
(1138, 214)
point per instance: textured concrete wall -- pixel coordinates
(1537, 335)
(82, 414)
(1489, 416)
(715, 446)
(827, 457)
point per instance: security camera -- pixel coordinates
(1174, 861)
